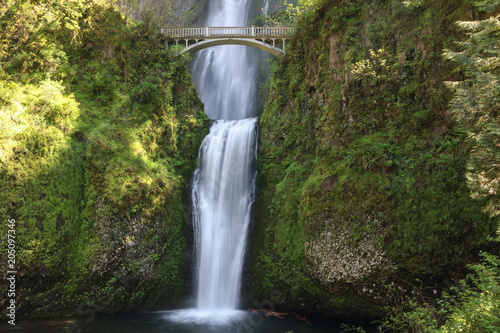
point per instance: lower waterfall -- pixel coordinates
(223, 190)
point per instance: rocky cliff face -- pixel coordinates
(361, 166)
(163, 14)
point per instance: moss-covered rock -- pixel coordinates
(100, 129)
(361, 166)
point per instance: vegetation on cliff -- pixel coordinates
(100, 126)
(472, 305)
(378, 161)
(363, 169)
(163, 13)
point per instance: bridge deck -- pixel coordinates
(221, 32)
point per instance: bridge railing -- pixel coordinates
(215, 32)
(274, 31)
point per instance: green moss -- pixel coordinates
(100, 128)
(361, 167)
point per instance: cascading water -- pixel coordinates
(222, 195)
(225, 75)
(224, 182)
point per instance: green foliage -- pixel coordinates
(278, 18)
(348, 328)
(475, 106)
(477, 103)
(100, 127)
(472, 307)
(477, 309)
(152, 13)
(36, 154)
(360, 158)
(290, 15)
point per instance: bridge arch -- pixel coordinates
(263, 38)
(261, 45)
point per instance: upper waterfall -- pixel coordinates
(225, 75)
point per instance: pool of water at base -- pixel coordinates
(177, 322)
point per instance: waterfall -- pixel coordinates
(225, 75)
(222, 195)
(224, 181)
(225, 178)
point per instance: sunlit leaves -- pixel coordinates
(477, 104)
(291, 14)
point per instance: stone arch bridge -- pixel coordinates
(269, 39)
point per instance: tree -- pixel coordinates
(476, 104)
(290, 15)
